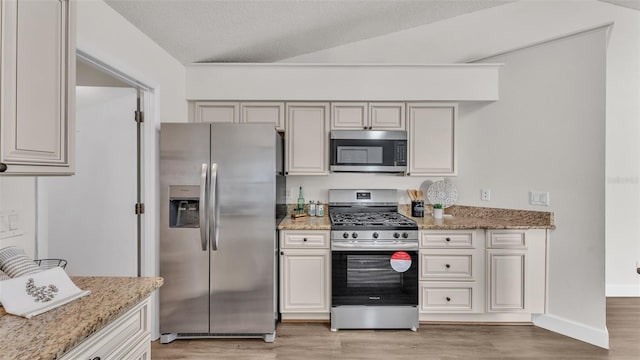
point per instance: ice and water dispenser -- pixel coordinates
(184, 206)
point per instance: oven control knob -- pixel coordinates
(354, 235)
(345, 235)
(375, 235)
(396, 235)
(405, 235)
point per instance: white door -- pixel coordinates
(90, 216)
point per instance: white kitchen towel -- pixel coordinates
(34, 294)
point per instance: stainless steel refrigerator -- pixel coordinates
(222, 191)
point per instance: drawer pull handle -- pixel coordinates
(448, 239)
(447, 266)
(304, 239)
(3, 167)
(96, 358)
(448, 299)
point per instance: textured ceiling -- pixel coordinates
(272, 30)
(631, 4)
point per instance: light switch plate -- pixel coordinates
(539, 198)
(9, 224)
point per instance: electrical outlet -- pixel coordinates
(485, 194)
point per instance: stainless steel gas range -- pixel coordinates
(374, 257)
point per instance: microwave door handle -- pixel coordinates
(202, 213)
(214, 209)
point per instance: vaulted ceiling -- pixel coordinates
(272, 30)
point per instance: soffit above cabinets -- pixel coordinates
(272, 30)
(449, 82)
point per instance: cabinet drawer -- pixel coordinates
(446, 297)
(433, 239)
(304, 239)
(507, 239)
(446, 266)
(117, 338)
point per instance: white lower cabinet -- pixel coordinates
(127, 337)
(516, 270)
(506, 273)
(451, 272)
(478, 276)
(305, 274)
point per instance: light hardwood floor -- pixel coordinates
(311, 341)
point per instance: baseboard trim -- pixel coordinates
(589, 334)
(623, 290)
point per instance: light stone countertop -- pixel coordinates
(463, 217)
(306, 223)
(50, 335)
(472, 217)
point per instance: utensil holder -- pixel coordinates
(417, 208)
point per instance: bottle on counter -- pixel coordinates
(320, 209)
(312, 208)
(300, 208)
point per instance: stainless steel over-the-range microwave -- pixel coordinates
(368, 151)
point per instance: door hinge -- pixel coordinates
(139, 210)
(139, 116)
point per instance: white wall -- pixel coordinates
(503, 28)
(106, 35)
(18, 193)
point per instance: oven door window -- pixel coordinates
(372, 278)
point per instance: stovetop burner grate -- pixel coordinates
(371, 220)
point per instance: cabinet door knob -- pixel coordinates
(304, 239)
(286, 173)
(448, 299)
(447, 266)
(3, 167)
(281, 252)
(448, 239)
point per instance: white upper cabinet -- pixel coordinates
(349, 115)
(307, 139)
(37, 93)
(217, 112)
(386, 116)
(234, 112)
(263, 112)
(367, 116)
(432, 133)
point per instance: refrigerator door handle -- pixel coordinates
(203, 209)
(214, 211)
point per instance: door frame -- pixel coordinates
(147, 257)
(148, 248)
